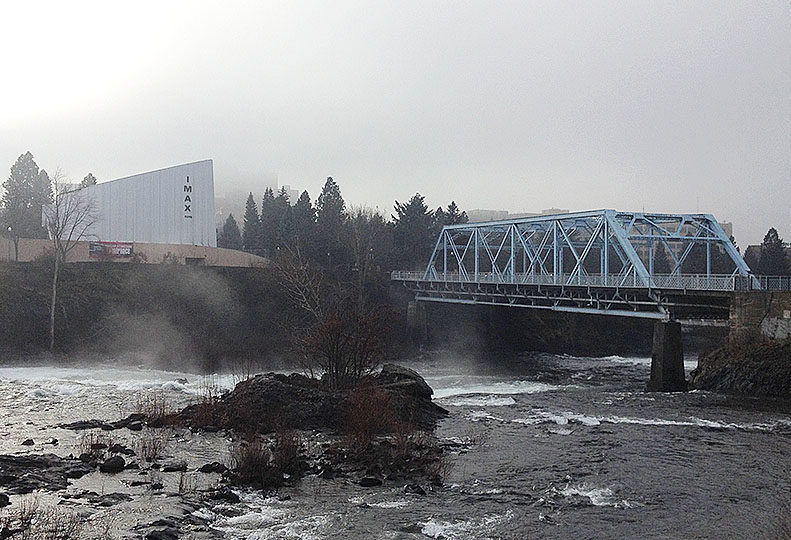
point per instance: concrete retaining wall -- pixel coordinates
(766, 312)
(31, 249)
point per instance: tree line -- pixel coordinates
(335, 237)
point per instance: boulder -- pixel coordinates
(175, 466)
(370, 481)
(213, 467)
(113, 465)
(27, 473)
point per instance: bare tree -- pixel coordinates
(68, 220)
(303, 282)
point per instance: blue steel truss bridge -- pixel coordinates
(634, 264)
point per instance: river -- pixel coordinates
(542, 446)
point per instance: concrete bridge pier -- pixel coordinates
(667, 359)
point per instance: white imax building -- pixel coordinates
(168, 206)
(153, 217)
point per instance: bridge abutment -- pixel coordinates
(667, 359)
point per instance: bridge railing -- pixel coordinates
(660, 281)
(763, 283)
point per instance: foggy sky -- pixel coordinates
(662, 106)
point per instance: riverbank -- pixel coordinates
(758, 368)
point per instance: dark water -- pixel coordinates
(541, 447)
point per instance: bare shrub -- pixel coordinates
(285, 456)
(153, 405)
(94, 444)
(28, 509)
(437, 470)
(151, 444)
(58, 524)
(32, 522)
(208, 410)
(187, 483)
(252, 463)
(347, 345)
(244, 369)
(154, 480)
(368, 411)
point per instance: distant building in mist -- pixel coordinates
(479, 215)
(232, 200)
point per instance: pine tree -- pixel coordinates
(304, 222)
(89, 180)
(285, 225)
(251, 233)
(413, 232)
(26, 191)
(230, 235)
(773, 261)
(269, 219)
(455, 217)
(330, 217)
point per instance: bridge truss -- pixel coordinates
(605, 261)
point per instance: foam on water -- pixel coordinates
(438, 528)
(480, 401)
(564, 418)
(496, 388)
(598, 496)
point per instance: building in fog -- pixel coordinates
(168, 206)
(478, 215)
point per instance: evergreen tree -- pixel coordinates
(413, 232)
(89, 180)
(455, 217)
(283, 213)
(773, 260)
(440, 220)
(304, 222)
(251, 233)
(26, 191)
(269, 220)
(721, 262)
(330, 217)
(229, 236)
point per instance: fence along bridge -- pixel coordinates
(599, 262)
(654, 266)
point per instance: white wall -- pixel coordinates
(151, 207)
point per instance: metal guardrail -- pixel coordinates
(661, 281)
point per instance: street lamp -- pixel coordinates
(9, 243)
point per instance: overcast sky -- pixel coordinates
(662, 106)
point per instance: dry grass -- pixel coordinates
(32, 522)
(94, 444)
(152, 444)
(187, 483)
(369, 411)
(285, 455)
(153, 405)
(252, 463)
